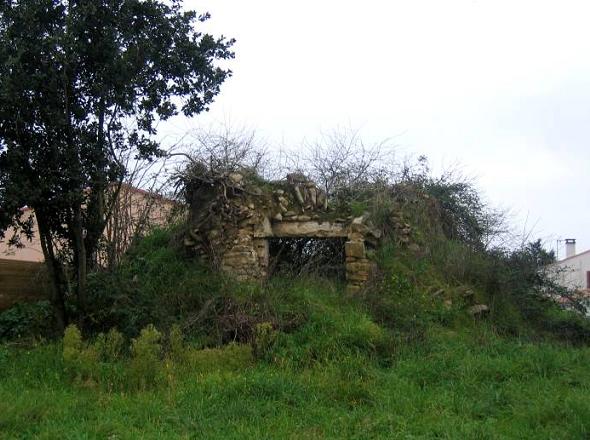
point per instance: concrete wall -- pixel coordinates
(32, 250)
(134, 204)
(21, 281)
(23, 275)
(572, 271)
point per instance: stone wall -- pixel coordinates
(233, 226)
(248, 257)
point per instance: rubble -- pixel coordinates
(232, 221)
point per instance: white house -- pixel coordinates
(574, 270)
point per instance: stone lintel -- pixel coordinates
(312, 229)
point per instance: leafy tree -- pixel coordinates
(80, 82)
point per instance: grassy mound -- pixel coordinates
(324, 380)
(170, 349)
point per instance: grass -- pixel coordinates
(327, 379)
(292, 359)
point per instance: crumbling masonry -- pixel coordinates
(232, 219)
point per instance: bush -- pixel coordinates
(176, 347)
(103, 364)
(264, 340)
(26, 320)
(230, 357)
(568, 326)
(4, 354)
(156, 283)
(72, 343)
(80, 359)
(110, 346)
(397, 304)
(146, 352)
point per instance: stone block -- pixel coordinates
(261, 247)
(354, 249)
(352, 289)
(240, 249)
(359, 228)
(355, 236)
(240, 259)
(357, 276)
(479, 310)
(359, 266)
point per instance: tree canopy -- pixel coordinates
(80, 82)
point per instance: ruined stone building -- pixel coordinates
(233, 218)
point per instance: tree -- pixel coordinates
(81, 81)
(341, 160)
(225, 148)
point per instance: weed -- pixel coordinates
(231, 357)
(176, 345)
(110, 346)
(146, 351)
(264, 340)
(80, 359)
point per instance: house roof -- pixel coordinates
(573, 256)
(148, 193)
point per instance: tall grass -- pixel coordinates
(467, 384)
(185, 353)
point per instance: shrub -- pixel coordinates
(3, 359)
(26, 320)
(154, 284)
(264, 340)
(568, 326)
(231, 357)
(146, 350)
(397, 304)
(109, 346)
(176, 347)
(80, 359)
(72, 343)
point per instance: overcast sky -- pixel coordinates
(500, 87)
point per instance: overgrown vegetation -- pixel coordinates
(83, 85)
(456, 336)
(461, 380)
(166, 346)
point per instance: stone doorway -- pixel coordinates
(233, 220)
(295, 256)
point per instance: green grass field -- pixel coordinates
(328, 379)
(295, 358)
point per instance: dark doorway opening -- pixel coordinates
(306, 255)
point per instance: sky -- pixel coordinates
(498, 88)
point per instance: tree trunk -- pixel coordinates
(80, 261)
(95, 209)
(56, 274)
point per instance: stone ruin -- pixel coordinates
(234, 215)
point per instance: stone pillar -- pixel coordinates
(241, 260)
(358, 266)
(263, 254)
(247, 256)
